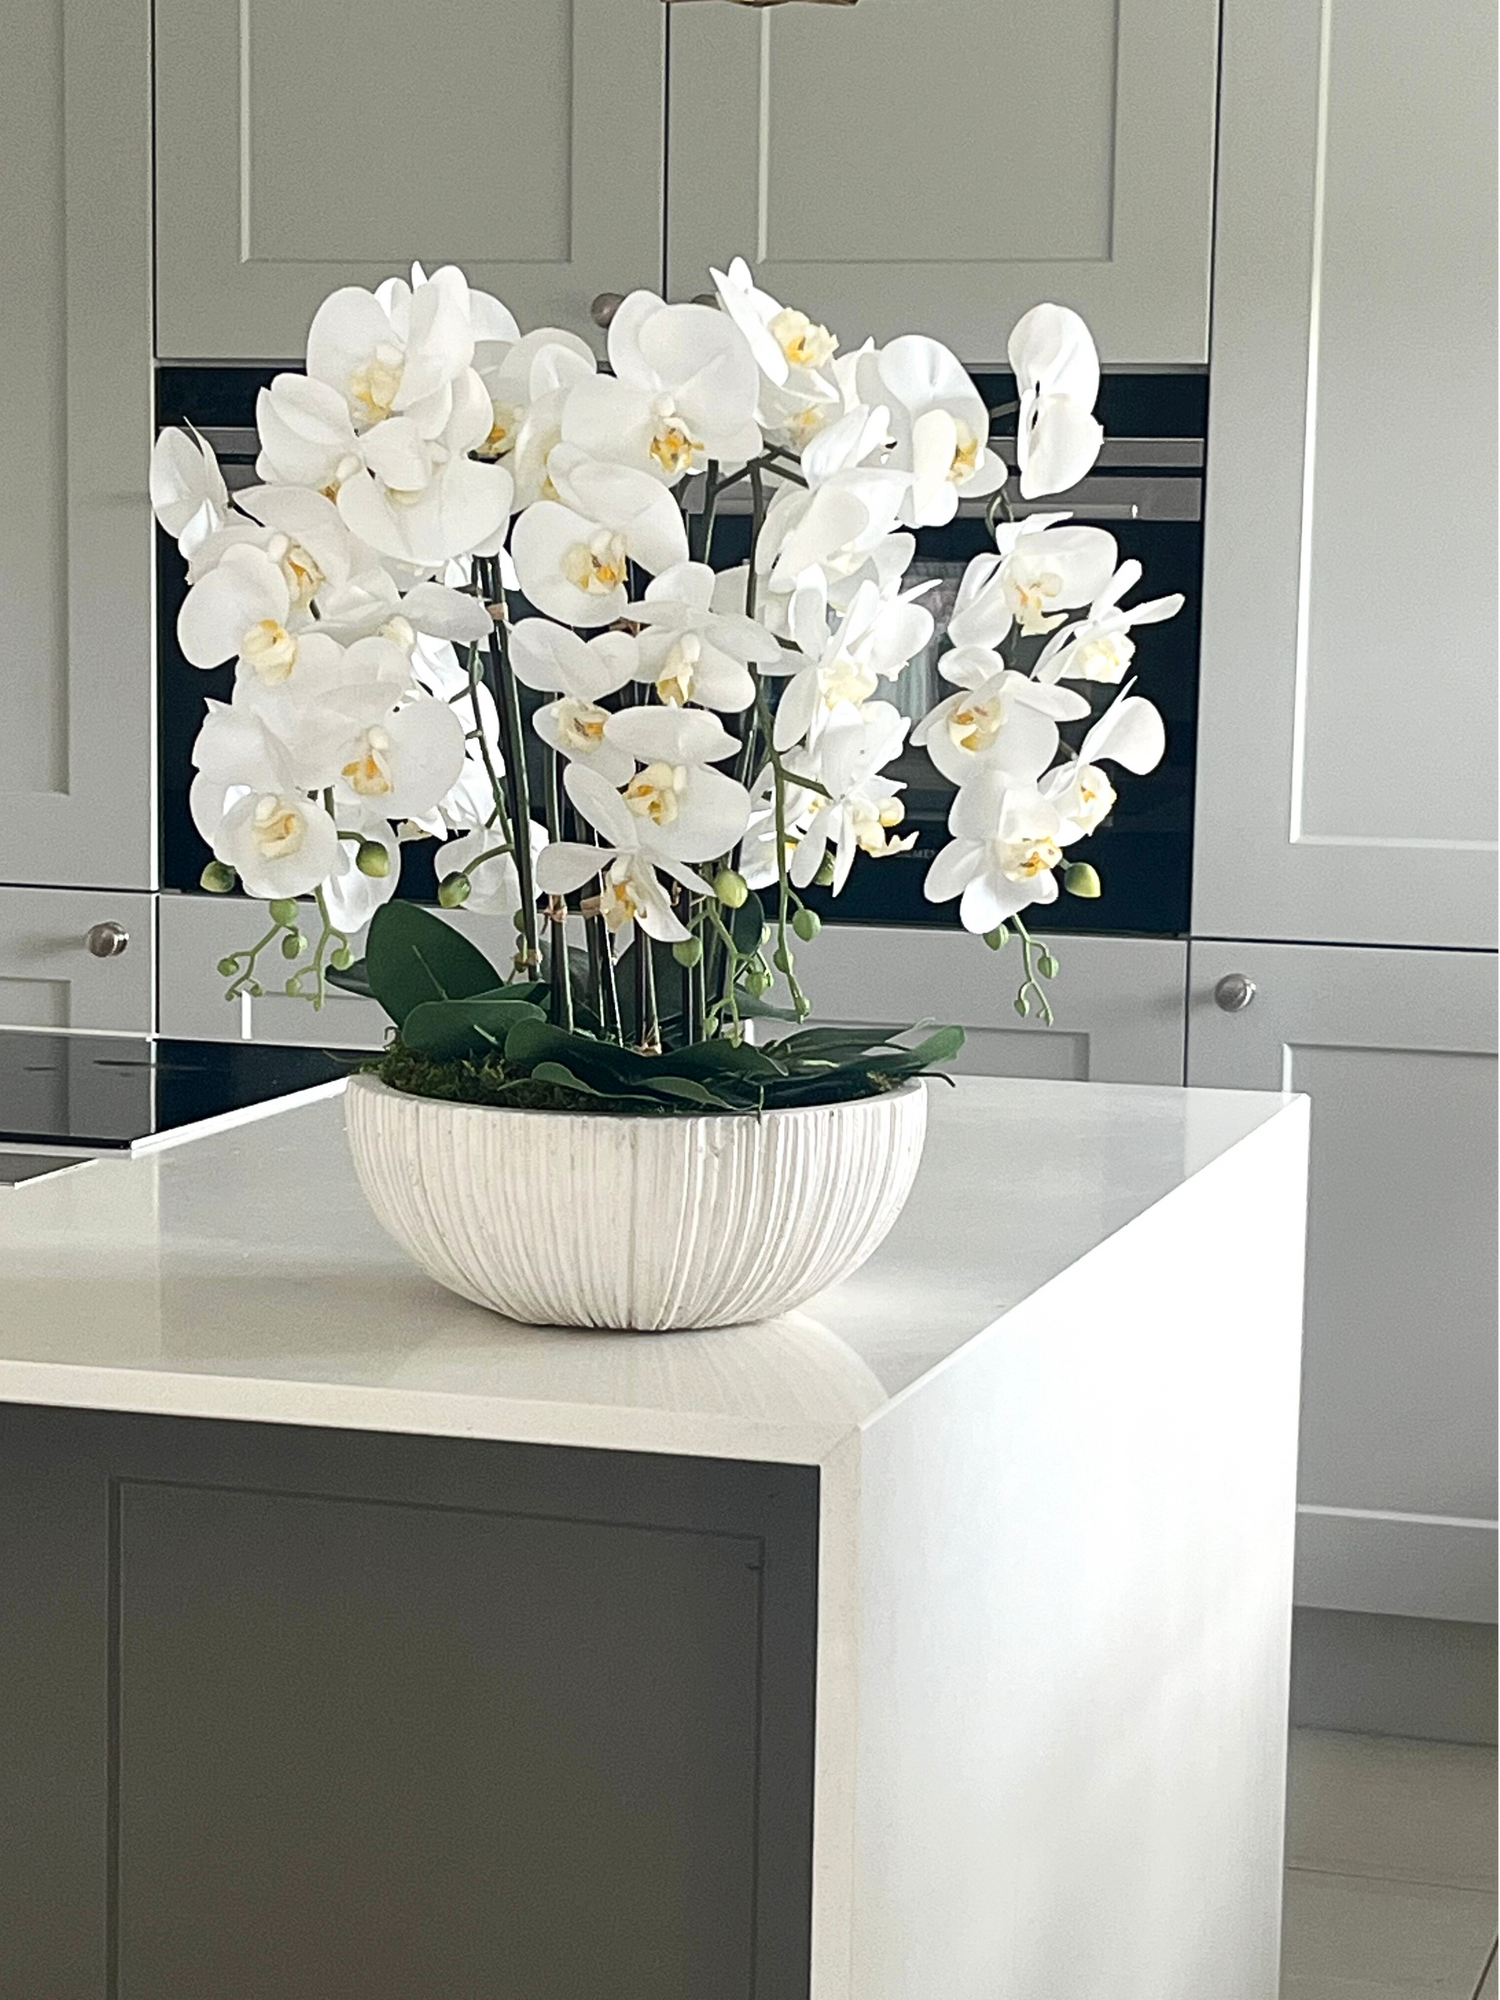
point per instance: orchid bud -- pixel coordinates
(996, 939)
(228, 967)
(293, 944)
(454, 891)
(218, 878)
(731, 888)
(807, 924)
(284, 912)
(342, 959)
(688, 951)
(1082, 880)
(294, 987)
(1047, 966)
(373, 860)
(781, 958)
(824, 876)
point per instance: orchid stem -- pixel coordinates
(513, 742)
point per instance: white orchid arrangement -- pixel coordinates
(472, 599)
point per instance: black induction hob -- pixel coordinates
(103, 1093)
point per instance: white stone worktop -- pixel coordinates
(241, 1275)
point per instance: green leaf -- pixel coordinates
(414, 956)
(561, 1077)
(753, 1008)
(689, 1091)
(447, 1030)
(829, 1042)
(721, 1057)
(747, 925)
(353, 979)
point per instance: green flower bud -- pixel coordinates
(293, 944)
(807, 924)
(781, 958)
(255, 990)
(731, 888)
(824, 876)
(342, 959)
(1082, 880)
(518, 918)
(688, 951)
(373, 860)
(294, 987)
(218, 878)
(1048, 966)
(228, 967)
(1022, 1005)
(996, 938)
(757, 982)
(454, 891)
(284, 912)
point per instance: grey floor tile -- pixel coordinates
(1388, 1807)
(1353, 1932)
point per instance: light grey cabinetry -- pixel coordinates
(941, 167)
(75, 430)
(76, 958)
(1347, 720)
(1397, 1052)
(304, 144)
(1118, 1002)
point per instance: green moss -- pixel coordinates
(492, 1080)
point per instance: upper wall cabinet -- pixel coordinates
(75, 430)
(306, 144)
(1347, 707)
(940, 165)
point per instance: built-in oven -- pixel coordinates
(1147, 490)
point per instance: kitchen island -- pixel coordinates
(930, 1643)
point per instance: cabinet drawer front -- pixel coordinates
(49, 976)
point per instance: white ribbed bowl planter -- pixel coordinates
(566, 1219)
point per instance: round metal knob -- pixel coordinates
(106, 940)
(1234, 992)
(604, 308)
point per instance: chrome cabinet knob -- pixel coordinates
(1234, 992)
(604, 308)
(106, 940)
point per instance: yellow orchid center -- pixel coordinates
(618, 902)
(1103, 659)
(804, 343)
(1093, 795)
(679, 670)
(966, 457)
(502, 436)
(303, 575)
(270, 651)
(597, 566)
(872, 826)
(655, 793)
(672, 447)
(1031, 595)
(277, 827)
(1024, 860)
(580, 724)
(368, 772)
(847, 679)
(975, 724)
(373, 387)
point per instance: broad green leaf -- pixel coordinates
(689, 1091)
(414, 956)
(721, 1057)
(747, 925)
(563, 1078)
(447, 1030)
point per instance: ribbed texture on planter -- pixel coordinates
(561, 1219)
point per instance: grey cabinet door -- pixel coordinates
(1347, 711)
(1397, 1052)
(1118, 1002)
(939, 167)
(50, 979)
(303, 144)
(76, 718)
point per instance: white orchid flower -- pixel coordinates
(999, 719)
(233, 753)
(242, 609)
(874, 640)
(631, 892)
(421, 499)
(863, 807)
(780, 337)
(1099, 648)
(279, 843)
(940, 424)
(758, 851)
(188, 494)
(306, 434)
(836, 528)
(693, 370)
(353, 896)
(391, 352)
(319, 553)
(573, 555)
(692, 652)
(495, 882)
(402, 765)
(521, 373)
(553, 660)
(1006, 841)
(575, 728)
(1037, 576)
(1057, 375)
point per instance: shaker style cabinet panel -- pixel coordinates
(75, 432)
(939, 167)
(76, 958)
(1347, 706)
(303, 144)
(1397, 1051)
(1118, 1002)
